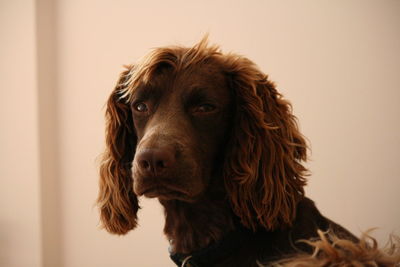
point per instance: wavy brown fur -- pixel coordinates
(117, 201)
(331, 251)
(263, 172)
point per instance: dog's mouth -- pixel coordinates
(163, 192)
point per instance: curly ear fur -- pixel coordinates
(263, 173)
(117, 201)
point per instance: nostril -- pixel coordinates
(163, 160)
(144, 164)
(160, 164)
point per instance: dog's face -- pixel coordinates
(187, 120)
(181, 121)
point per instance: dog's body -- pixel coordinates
(243, 247)
(210, 137)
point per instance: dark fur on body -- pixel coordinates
(209, 135)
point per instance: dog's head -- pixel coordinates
(184, 117)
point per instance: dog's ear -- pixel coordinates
(117, 202)
(263, 172)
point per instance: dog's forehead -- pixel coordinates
(165, 79)
(203, 75)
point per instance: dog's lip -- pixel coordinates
(158, 190)
(163, 193)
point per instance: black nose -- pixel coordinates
(155, 161)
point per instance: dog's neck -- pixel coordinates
(193, 226)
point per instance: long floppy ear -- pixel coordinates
(117, 201)
(263, 173)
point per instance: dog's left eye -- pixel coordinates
(141, 107)
(204, 108)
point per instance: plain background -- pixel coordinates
(338, 62)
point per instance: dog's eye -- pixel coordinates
(204, 108)
(141, 107)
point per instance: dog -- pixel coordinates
(209, 135)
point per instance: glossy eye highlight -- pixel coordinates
(140, 107)
(204, 108)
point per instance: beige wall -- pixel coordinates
(337, 61)
(20, 239)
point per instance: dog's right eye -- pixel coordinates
(140, 107)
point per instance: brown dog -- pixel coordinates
(209, 135)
